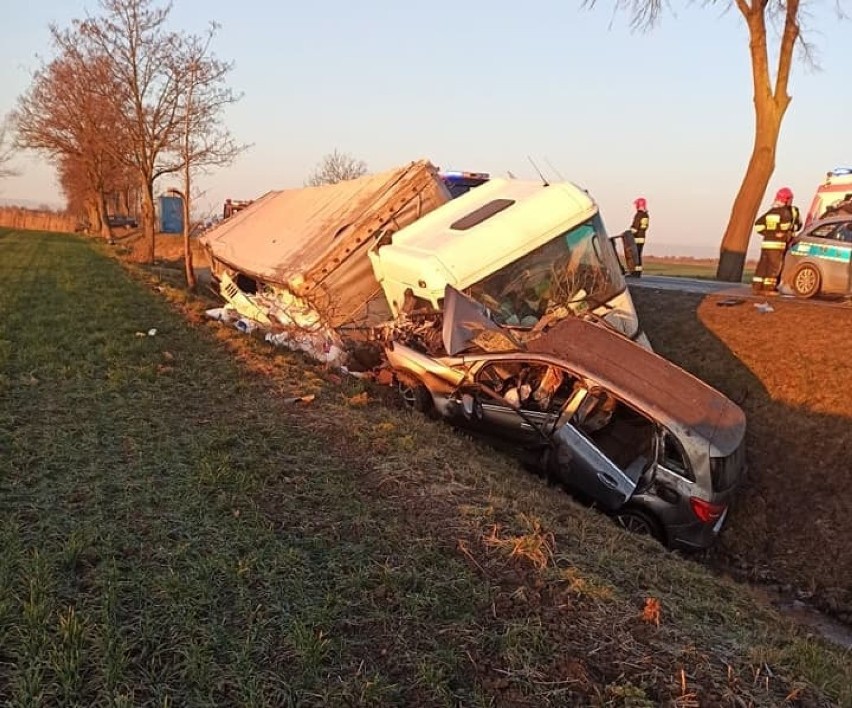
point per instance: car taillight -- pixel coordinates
(706, 512)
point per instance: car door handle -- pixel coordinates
(607, 480)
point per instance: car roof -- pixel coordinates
(676, 398)
(828, 220)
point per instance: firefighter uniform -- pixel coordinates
(776, 227)
(639, 227)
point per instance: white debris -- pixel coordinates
(764, 307)
(244, 324)
(221, 314)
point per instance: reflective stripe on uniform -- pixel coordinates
(755, 279)
(637, 269)
(640, 240)
(774, 245)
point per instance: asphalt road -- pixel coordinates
(733, 290)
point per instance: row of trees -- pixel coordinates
(124, 102)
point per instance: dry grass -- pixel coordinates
(535, 546)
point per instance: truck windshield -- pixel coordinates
(578, 266)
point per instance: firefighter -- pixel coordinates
(777, 227)
(639, 228)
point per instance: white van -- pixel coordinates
(837, 184)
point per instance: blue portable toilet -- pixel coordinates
(171, 214)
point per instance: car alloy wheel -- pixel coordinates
(806, 281)
(415, 396)
(639, 523)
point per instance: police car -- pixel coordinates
(819, 260)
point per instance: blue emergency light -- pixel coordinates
(460, 182)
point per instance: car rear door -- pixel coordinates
(585, 468)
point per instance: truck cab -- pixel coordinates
(524, 249)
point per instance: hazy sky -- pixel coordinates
(482, 85)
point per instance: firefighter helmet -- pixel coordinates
(784, 195)
(640, 202)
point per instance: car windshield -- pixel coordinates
(576, 267)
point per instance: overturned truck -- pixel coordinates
(329, 269)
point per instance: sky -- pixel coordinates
(487, 85)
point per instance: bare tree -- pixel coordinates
(65, 116)
(771, 100)
(336, 167)
(146, 93)
(204, 143)
(6, 150)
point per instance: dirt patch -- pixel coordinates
(789, 370)
(168, 248)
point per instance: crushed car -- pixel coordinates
(618, 425)
(819, 259)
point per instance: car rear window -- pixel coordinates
(725, 472)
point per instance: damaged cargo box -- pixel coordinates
(296, 260)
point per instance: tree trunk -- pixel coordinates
(105, 228)
(187, 246)
(148, 225)
(761, 165)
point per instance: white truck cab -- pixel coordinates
(524, 249)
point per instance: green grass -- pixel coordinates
(688, 268)
(174, 533)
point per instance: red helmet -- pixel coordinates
(784, 195)
(640, 202)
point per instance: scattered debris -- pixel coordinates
(359, 399)
(730, 302)
(764, 307)
(300, 399)
(246, 325)
(221, 314)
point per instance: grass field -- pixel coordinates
(688, 268)
(176, 532)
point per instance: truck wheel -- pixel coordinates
(806, 281)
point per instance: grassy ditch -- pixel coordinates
(175, 531)
(789, 370)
